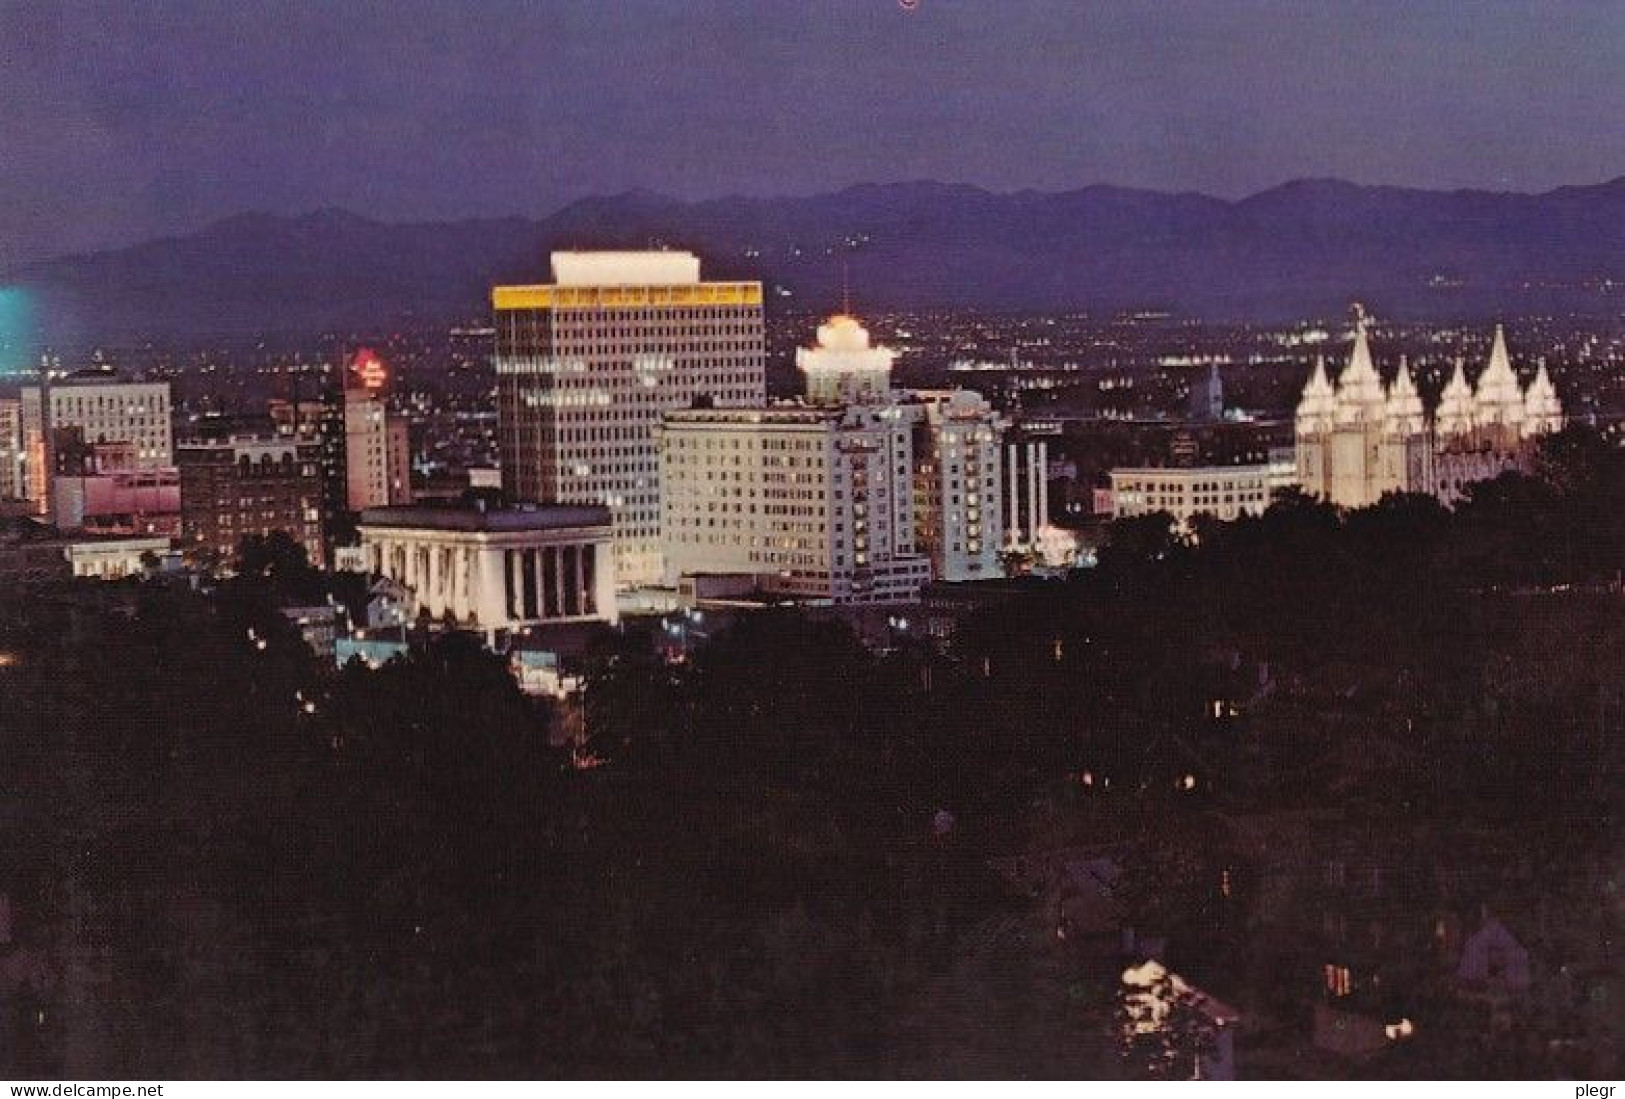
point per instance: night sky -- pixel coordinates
(120, 121)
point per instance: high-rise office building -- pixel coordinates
(97, 407)
(587, 364)
(12, 483)
(377, 445)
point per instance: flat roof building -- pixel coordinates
(587, 364)
(231, 489)
(99, 407)
(1224, 492)
(816, 501)
(496, 569)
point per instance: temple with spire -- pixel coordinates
(1358, 439)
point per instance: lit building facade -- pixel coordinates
(586, 366)
(118, 501)
(1223, 492)
(377, 442)
(957, 483)
(500, 569)
(13, 485)
(98, 408)
(115, 558)
(816, 502)
(843, 368)
(856, 494)
(1359, 439)
(234, 488)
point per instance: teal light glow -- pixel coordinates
(18, 335)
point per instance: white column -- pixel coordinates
(486, 587)
(435, 597)
(457, 590)
(1033, 477)
(559, 585)
(471, 564)
(604, 576)
(1041, 520)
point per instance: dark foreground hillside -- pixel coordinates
(1309, 743)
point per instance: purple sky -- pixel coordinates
(121, 121)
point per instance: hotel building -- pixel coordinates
(855, 494)
(234, 488)
(817, 502)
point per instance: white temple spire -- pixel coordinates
(1543, 412)
(1358, 440)
(1319, 402)
(1403, 414)
(1359, 387)
(1499, 399)
(1456, 414)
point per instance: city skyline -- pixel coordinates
(182, 115)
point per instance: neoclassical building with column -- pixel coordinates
(497, 569)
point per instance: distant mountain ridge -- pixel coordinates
(1301, 249)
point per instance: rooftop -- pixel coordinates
(460, 517)
(785, 412)
(625, 268)
(97, 375)
(1238, 469)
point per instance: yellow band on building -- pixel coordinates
(507, 298)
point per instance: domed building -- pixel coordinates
(1358, 439)
(844, 368)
